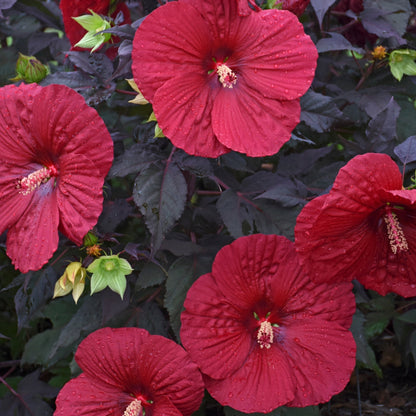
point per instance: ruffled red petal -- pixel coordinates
(83, 396)
(281, 62)
(189, 125)
(183, 40)
(79, 196)
(34, 238)
(63, 123)
(204, 331)
(17, 143)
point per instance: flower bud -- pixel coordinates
(29, 69)
(73, 280)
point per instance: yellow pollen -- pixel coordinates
(395, 233)
(265, 335)
(29, 183)
(226, 76)
(134, 408)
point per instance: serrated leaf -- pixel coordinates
(31, 297)
(321, 7)
(160, 193)
(152, 319)
(181, 275)
(319, 111)
(381, 130)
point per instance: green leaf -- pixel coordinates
(409, 316)
(365, 354)
(151, 275)
(160, 193)
(92, 22)
(181, 275)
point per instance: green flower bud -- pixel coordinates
(29, 69)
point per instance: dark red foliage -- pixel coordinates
(364, 229)
(263, 334)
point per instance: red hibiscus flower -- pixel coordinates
(295, 6)
(263, 334)
(364, 229)
(128, 372)
(219, 80)
(55, 152)
(76, 8)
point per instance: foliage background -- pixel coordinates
(169, 213)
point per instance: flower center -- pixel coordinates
(226, 76)
(265, 334)
(135, 408)
(395, 233)
(29, 183)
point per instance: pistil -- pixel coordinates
(135, 408)
(395, 233)
(29, 183)
(226, 76)
(265, 334)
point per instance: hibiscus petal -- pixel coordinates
(207, 334)
(246, 121)
(168, 371)
(189, 125)
(12, 202)
(109, 355)
(63, 123)
(183, 40)
(281, 63)
(83, 396)
(79, 195)
(245, 269)
(321, 356)
(34, 238)
(17, 144)
(263, 383)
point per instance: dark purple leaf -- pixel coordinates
(336, 42)
(406, 151)
(160, 193)
(321, 7)
(319, 111)
(381, 130)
